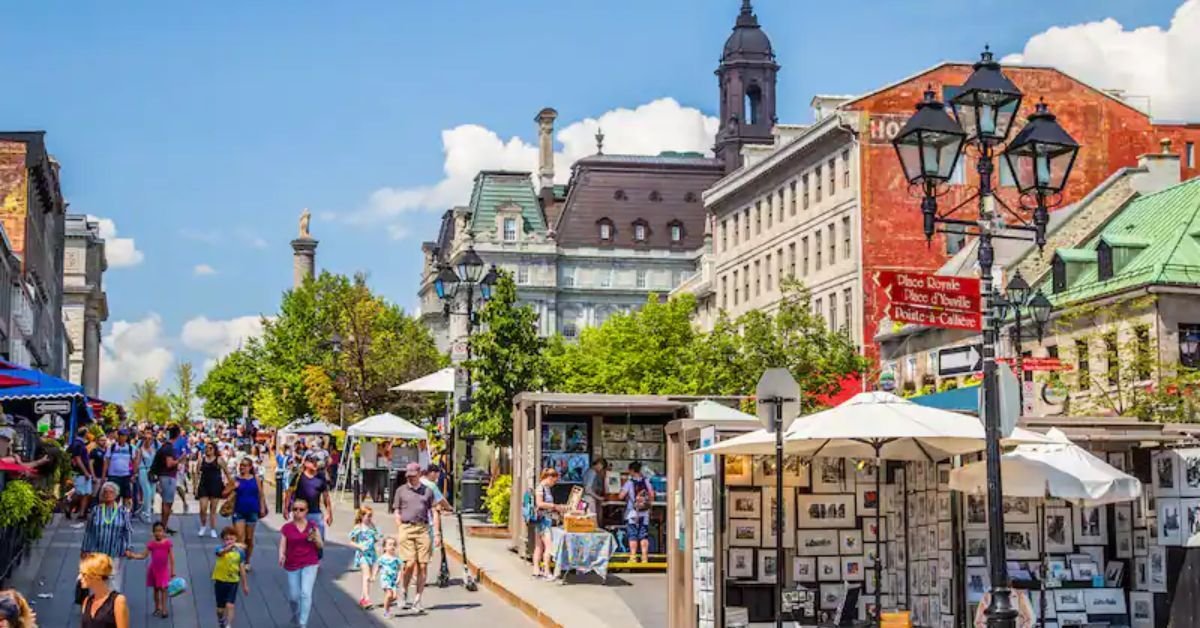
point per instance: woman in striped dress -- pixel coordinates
(109, 531)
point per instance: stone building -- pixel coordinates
(85, 304)
(33, 214)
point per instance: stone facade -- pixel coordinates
(85, 304)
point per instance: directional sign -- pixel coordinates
(1039, 364)
(931, 300)
(959, 360)
(55, 406)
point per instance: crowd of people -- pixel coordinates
(118, 474)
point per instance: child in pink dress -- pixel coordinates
(161, 568)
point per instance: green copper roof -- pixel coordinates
(1076, 255)
(496, 188)
(1160, 228)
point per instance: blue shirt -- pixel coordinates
(109, 530)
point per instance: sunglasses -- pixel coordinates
(299, 510)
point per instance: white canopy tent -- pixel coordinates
(709, 410)
(439, 381)
(387, 426)
(303, 427)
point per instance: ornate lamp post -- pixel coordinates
(1041, 156)
(1018, 299)
(464, 277)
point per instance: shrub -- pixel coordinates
(499, 494)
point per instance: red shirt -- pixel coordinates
(300, 551)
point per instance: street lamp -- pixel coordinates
(929, 143)
(1019, 299)
(465, 277)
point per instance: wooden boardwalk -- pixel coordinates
(53, 566)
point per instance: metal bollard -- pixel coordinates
(279, 492)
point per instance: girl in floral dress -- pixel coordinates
(387, 571)
(364, 536)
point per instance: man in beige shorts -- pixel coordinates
(412, 504)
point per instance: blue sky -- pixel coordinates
(202, 129)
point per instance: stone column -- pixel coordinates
(304, 260)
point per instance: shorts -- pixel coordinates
(415, 545)
(83, 485)
(543, 524)
(245, 517)
(225, 593)
(124, 485)
(166, 488)
(637, 531)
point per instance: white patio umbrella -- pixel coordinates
(438, 381)
(709, 410)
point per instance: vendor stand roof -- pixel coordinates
(386, 425)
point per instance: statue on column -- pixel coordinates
(305, 218)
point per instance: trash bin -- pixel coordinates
(473, 483)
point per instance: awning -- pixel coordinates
(41, 386)
(439, 381)
(964, 399)
(386, 425)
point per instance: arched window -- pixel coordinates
(604, 228)
(641, 230)
(753, 104)
(675, 228)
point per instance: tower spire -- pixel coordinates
(747, 17)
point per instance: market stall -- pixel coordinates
(386, 443)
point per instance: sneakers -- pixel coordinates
(203, 531)
(212, 532)
(78, 526)
(416, 606)
(405, 604)
(365, 604)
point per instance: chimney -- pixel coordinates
(545, 119)
(1160, 170)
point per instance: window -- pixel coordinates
(758, 218)
(746, 281)
(1112, 358)
(1058, 272)
(1082, 368)
(735, 288)
(676, 232)
(1104, 261)
(832, 311)
(510, 229)
(779, 260)
(769, 282)
(770, 213)
(846, 169)
(522, 275)
(568, 279)
(641, 278)
(725, 235)
(817, 243)
(736, 229)
(655, 196)
(639, 231)
(848, 308)
(725, 292)
(1189, 345)
(817, 183)
(779, 203)
(819, 308)
(1190, 156)
(747, 218)
(570, 330)
(620, 195)
(757, 278)
(804, 252)
(832, 167)
(606, 229)
(832, 244)
(845, 237)
(792, 205)
(804, 185)
(606, 277)
(1141, 338)
(792, 259)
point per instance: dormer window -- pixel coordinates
(676, 229)
(690, 197)
(640, 231)
(1058, 269)
(604, 228)
(1104, 261)
(619, 195)
(510, 229)
(655, 197)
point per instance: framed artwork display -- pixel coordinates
(1141, 609)
(795, 471)
(1170, 521)
(1165, 470)
(789, 515)
(977, 547)
(738, 471)
(804, 569)
(865, 472)
(850, 542)
(1117, 460)
(1141, 573)
(1124, 545)
(1091, 525)
(1068, 600)
(1020, 541)
(741, 563)
(767, 567)
(853, 568)
(745, 503)
(1072, 619)
(1123, 518)
(1190, 509)
(1019, 510)
(1189, 472)
(943, 506)
(1058, 527)
(817, 543)
(745, 532)
(829, 568)
(917, 481)
(829, 476)
(977, 583)
(1104, 601)
(826, 511)
(1093, 553)
(1156, 572)
(945, 538)
(1114, 573)
(976, 511)
(943, 476)
(868, 500)
(831, 596)
(871, 529)
(1141, 541)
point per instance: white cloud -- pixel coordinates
(1145, 62)
(649, 129)
(119, 252)
(201, 270)
(218, 338)
(131, 352)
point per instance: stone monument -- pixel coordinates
(304, 252)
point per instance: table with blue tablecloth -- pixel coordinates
(581, 551)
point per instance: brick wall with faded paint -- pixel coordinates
(1111, 133)
(14, 193)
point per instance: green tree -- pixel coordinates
(506, 360)
(232, 382)
(183, 397)
(148, 405)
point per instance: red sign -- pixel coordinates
(1039, 364)
(931, 300)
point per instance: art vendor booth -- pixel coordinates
(386, 443)
(569, 432)
(883, 509)
(40, 404)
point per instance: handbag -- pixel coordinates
(227, 506)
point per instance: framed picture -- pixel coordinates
(1141, 609)
(831, 596)
(943, 506)
(853, 568)
(977, 583)
(1072, 619)
(917, 481)
(977, 548)
(745, 503)
(1156, 572)
(1170, 521)
(1068, 600)
(795, 471)
(1104, 601)
(945, 537)
(1124, 544)
(789, 515)
(741, 563)
(1190, 509)
(826, 511)
(1165, 470)
(1139, 508)
(871, 529)
(829, 476)
(829, 568)
(1114, 573)
(817, 543)
(1059, 539)
(1019, 510)
(1123, 518)
(804, 569)
(850, 542)
(1141, 541)
(1141, 573)
(865, 472)
(767, 567)
(868, 500)
(745, 532)
(922, 508)
(1189, 472)
(1117, 460)
(1020, 541)
(737, 471)
(976, 511)
(1091, 525)
(1084, 570)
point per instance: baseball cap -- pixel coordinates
(412, 470)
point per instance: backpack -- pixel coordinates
(529, 507)
(642, 500)
(158, 465)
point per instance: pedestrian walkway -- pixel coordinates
(52, 569)
(635, 600)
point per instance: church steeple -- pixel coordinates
(746, 77)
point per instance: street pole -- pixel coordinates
(1000, 612)
(779, 563)
(1020, 360)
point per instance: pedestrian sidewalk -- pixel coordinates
(633, 600)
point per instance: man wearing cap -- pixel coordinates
(413, 504)
(118, 466)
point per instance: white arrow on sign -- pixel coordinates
(958, 360)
